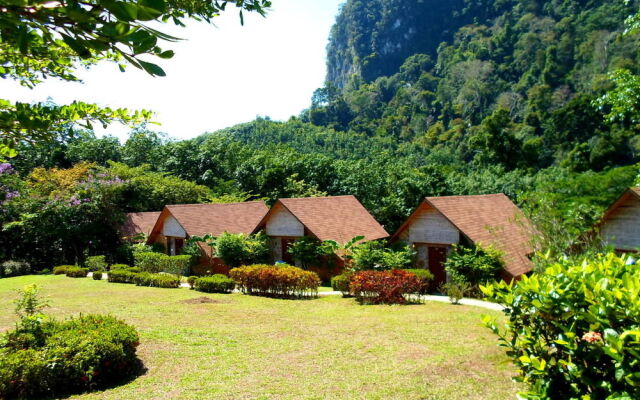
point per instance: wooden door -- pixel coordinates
(437, 257)
(286, 257)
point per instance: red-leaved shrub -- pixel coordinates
(276, 280)
(384, 287)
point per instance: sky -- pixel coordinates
(220, 76)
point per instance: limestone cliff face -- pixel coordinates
(372, 38)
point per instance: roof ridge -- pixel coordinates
(467, 196)
(314, 198)
(214, 204)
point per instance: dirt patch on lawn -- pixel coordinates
(203, 300)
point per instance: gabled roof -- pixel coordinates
(141, 222)
(629, 193)
(339, 218)
(490, 219)
(201, 219)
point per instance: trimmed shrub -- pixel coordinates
(121, 276)
(62, 269)
(215, 284)
(77, 272)
(14, 268)
(424, 275)
(276, 281)
(97, 275)
(88, 351)
(341, 284)
(191, 281)
(149, 262)
(573, 330)
(167, 281)
(176, 265)
(384, 287)
(116, 267)
(96, 263)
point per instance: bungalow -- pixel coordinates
(440, 222)
(338, 218)
(140, 223)
(620, 225)
(179, 222)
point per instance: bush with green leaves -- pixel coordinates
(474, 264)
(308, 251)
(62, 269)
(375, 255)
(166, 281)
(424, 275)
(97, 275)
(217, 283)
(573, 331)
(149, 261)
(340, 283)
(14, 268)
(77, 272)
(239, 249)
(42, 357)
(116, 267)
(121, 276)
(176, 265)
(191, 281)
(96, 263)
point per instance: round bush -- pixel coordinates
(77, 272)
(191, 281)
(88, 351)
(215, 284)
(121, 276)
(97, 275)
(62, 269)
(341, 284)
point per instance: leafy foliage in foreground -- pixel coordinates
(573, 330)
(43, 357)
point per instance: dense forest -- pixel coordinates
(422, 98)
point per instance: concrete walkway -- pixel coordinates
(443, 299)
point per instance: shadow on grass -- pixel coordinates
(137, 370)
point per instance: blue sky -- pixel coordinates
(220, 76)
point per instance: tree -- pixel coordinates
(42, 39)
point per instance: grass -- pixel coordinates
(245, 347)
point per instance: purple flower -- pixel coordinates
(6, 168)
(73, 201)
(12, 195)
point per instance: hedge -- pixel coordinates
(156, 280)
(573, 331)
(62, 269)
(215, 284)
(77, 272)
(97, 275)
(276, 281)
(384, 287)
(158, 262)
(121, 276)
(115, 267)
(75, 355)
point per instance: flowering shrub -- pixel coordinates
(384, 287)
(574, 330)
(215, 284)
(277, 281)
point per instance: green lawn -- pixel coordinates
(244, 347)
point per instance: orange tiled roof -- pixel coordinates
(490, 219)
(339, 218)
(200, 219)
(141, 222)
